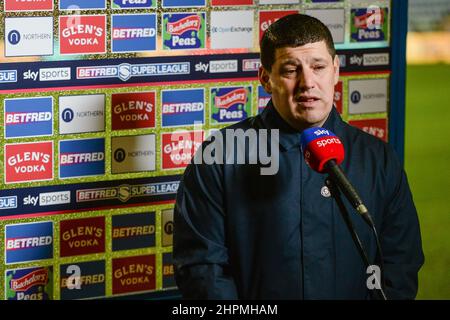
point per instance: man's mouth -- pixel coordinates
(307, 100)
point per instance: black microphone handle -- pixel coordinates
(347, 189)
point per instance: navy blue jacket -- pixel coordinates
(242, 235)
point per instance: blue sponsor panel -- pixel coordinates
(133, 32)
(131, 4)
(182, 107)
(183, 3)
(82, 280)
(81, 4)
(80, 158)
(29, 284)
(168, 271)
(133, 231)
(28, 242)
(29, 117)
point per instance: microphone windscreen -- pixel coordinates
(319, 146)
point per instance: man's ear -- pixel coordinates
(336, 69)
(264, 79)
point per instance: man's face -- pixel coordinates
(302, 83)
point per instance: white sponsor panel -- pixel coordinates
(54, 74)
(84, 113)
(133, 154)
(368, 96)
(334, 19)
(54, 198)
(232, 29)
(376, 59)
(217, 66)
(278, 1)
(28, 36)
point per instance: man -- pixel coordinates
(242, 235)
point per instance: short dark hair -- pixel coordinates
(293, 30)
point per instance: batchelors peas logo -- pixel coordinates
(230, 104)
(369, 24)
(184, 31)
(29, 284)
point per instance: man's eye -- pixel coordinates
(289, 71)
(319, 67)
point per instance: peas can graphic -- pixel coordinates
(183, 31)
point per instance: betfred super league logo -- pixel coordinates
(183, 31)
(230, 104)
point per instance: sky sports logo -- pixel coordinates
(125, 71)
(28, 242)
(28, 117)
(80, 158)
(133, 32)
(182, 107)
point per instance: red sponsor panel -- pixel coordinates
(82, 34)
(338, 96)
(178, 148)
(231, 2)
(82, 236)
(375, 127)
(133, 110)
(134, 274)
(26, 162)
(266, 18)
(30, 5)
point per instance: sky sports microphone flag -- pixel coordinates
(319, 146)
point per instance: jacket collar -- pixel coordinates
(290, 137)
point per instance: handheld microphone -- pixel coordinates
(324, 152)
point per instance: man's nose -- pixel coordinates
(306, 79)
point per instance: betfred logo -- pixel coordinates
(369, 24)
(375, 127)
(338, 96)
(230, 104)
(178, 148)
(184, 31)
(131, 4)
(133, 110)
(231, 3)
(28, 242)
(133, 32)
(29, 117)
(82, 34)
(80, 158)
(133, 274)
(82, 280)
(263, 99)
(266, 18)
(28, 5)
(29, 284)
(133, 231)
(182, 107)
(168, 271)
(25, 162)
(82, 236)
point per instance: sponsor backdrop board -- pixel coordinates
(104, 103)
